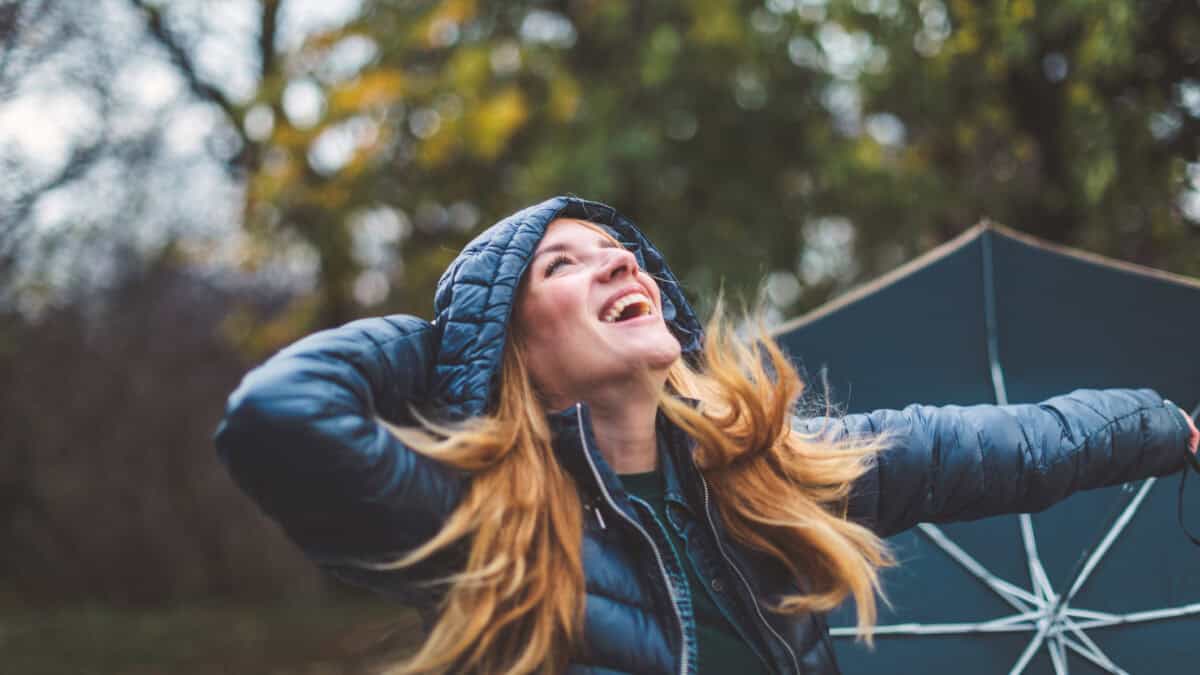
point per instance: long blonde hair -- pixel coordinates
(517, 607)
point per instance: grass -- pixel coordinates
(341, 639)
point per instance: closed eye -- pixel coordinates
(559, 260)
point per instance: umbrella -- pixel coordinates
(1102, 582)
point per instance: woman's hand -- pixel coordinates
(1194, 441)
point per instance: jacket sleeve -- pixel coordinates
(302, 436)
(962, 463)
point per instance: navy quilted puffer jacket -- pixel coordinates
(302, 436)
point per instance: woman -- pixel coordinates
(565, 477)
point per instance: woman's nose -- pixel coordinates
(619, 262)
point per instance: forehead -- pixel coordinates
(571, 230)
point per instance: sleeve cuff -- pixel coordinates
(1185, 431)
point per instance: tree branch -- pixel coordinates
(80, 161)
(162, 34)
(268, 28)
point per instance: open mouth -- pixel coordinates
(628, 307)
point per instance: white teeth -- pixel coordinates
(624, 301)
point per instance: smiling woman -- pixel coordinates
(568, 475)
(589, 317)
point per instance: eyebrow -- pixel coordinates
(554, 248)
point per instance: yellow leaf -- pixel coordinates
(715, 22)
(371, 89)
(469, 68)
(868, 153)
(1080, 94)
(965, 134)
(278, 172)
(565, 94)
(495, 121)
(456, 10)
(1025, 149)
(1022, 10)
(995, 64)
(330, 196)
(289, 137)
(438, 148)
(966, 41)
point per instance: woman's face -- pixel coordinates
(589, 317)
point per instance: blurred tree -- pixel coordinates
(102, 160)
(1076, 121)
(824, 141)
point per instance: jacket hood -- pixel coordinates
(475, 296)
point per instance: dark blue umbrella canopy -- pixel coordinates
(995, 316)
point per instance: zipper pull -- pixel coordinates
(599, 516)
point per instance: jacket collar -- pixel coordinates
(577, 450)
(575, 445)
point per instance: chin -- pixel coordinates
(663, 357)
(657, 351)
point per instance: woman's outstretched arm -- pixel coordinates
(302, 436)
(965, 462)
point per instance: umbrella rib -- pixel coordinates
(990, 320)
(1031, 648)
(1097, 655)
(1037, 573)
(1055, 614)
(1104, 663)
(1018, 597)
(1088, 614)
(1016, 623)
(1107, 542)
(1060, 643)
(1057, 659)
(1139, 617)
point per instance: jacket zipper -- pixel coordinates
(742, 577)
(683, 653)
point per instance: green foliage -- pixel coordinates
(819, 141)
